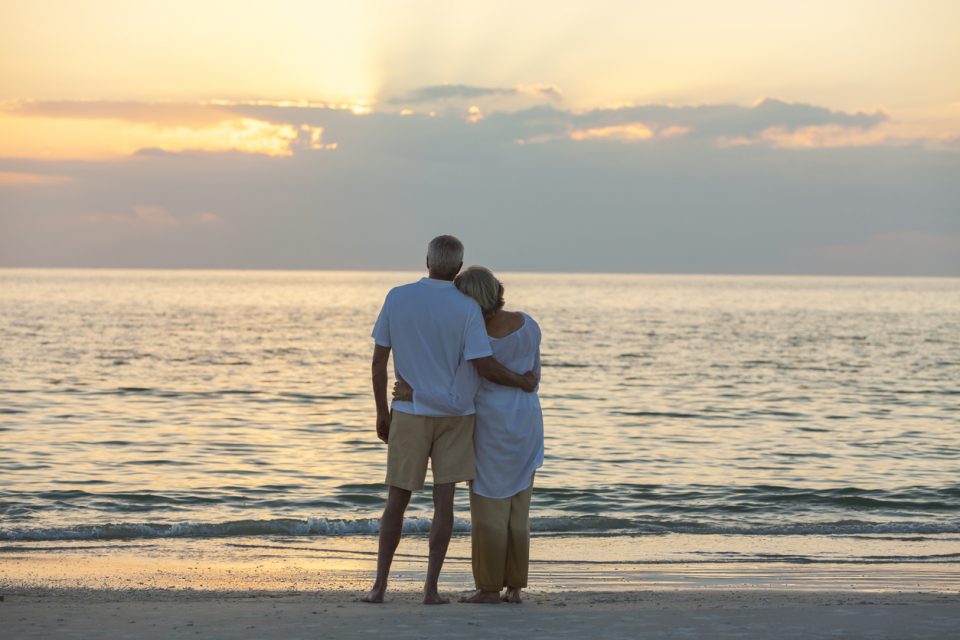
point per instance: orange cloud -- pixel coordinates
(104, 130)
(823, 136)
(161, 114)
(474, 114)
(673, 132)
(622, 132)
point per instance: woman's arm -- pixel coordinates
(496, 373)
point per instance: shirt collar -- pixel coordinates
(430, 282)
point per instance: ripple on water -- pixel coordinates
(668, 401)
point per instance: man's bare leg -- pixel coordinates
(512, 595)
(391, 528)
(440, 532)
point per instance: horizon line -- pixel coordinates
(512, 271)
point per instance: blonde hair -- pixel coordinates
(480, 284)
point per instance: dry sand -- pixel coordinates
(338, 614)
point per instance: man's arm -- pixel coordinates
(496, 373)
(381, 356)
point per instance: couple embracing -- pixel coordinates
(464, 399)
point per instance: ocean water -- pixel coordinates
(229, 404)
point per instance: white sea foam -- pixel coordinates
(587, 525)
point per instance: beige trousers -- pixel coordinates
(501, 540)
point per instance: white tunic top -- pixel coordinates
(433, 330)
(508, 437)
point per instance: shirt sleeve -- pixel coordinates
(381, 330)
(476, 343)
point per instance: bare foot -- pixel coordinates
(432, 597)
(482, 597)
(512, 595)
(375, 596)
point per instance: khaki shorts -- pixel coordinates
(446, 441)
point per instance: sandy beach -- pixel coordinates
(310, 589)
(337, 614)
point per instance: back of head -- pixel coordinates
(480, 284)
(445, 256)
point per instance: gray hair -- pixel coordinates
(480, 284)
(445, 255)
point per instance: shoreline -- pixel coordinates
(557, 564)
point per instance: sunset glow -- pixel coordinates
(351, 111)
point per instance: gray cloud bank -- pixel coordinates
(459, 93)
(656, 188)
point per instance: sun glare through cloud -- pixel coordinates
(352, 111)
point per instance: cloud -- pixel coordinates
(147, 217)
(832, 135)
(443, 92)
(141, 218)
(625, 132)
(796, 189)
(768, 121)
(732, 119)
(472, 129)
(193, 114)
(102, 129)
(658, 205)
(459, 99)
(10, 178)
(208, 217)
(285, 128)
(161, 114)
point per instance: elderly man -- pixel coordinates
(431, 328)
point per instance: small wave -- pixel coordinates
(659, 414)
(832, 528)
(547, 525)
(577, 524)
(713, 558)
(236, 528)
(627, 500)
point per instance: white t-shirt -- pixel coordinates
(432, 329)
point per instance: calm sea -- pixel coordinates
(138, 404)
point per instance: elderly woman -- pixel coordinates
(508, 444)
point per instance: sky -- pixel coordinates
(759, 137)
